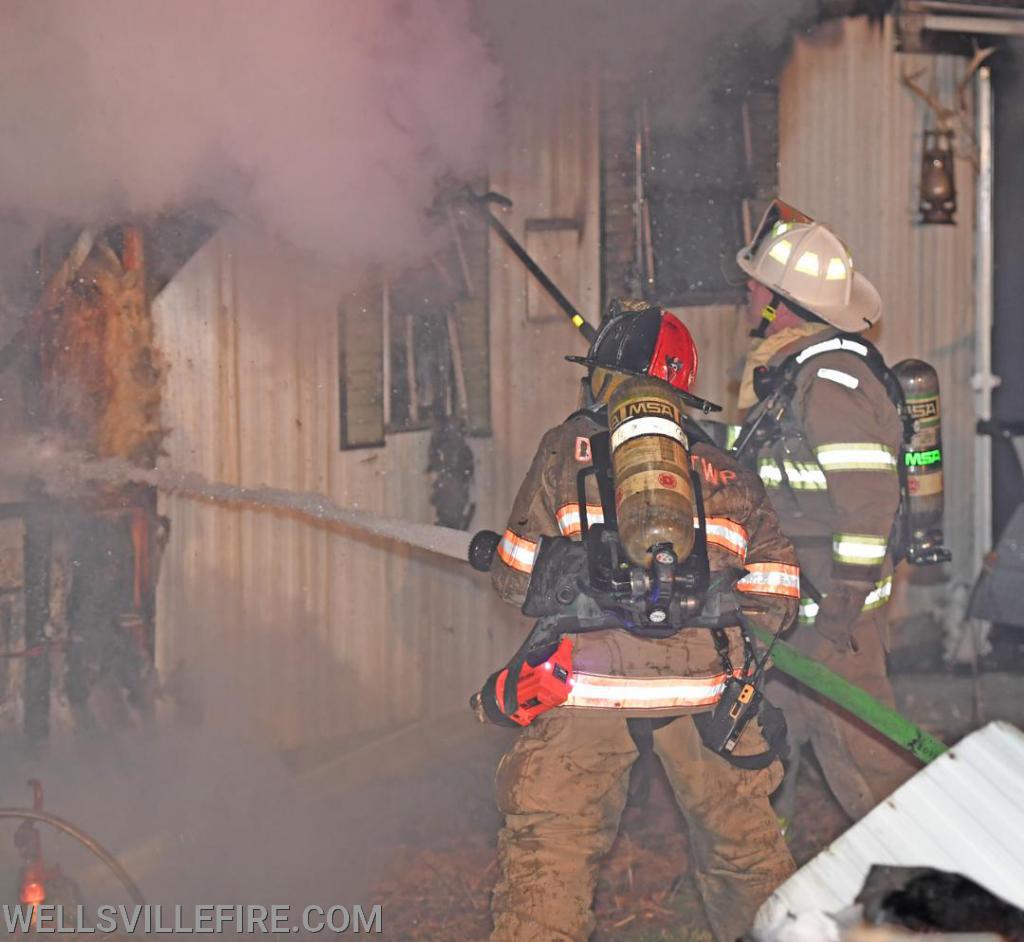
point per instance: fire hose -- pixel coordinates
(894, 726)
(806, 671)
(90, 843)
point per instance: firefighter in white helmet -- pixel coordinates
(824, 434)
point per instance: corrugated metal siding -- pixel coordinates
(551, 170)
(850, 146)
(317, 634)
(961, 814)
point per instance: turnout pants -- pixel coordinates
(562, 788)
(860, 765)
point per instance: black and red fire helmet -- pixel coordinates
(650, 342)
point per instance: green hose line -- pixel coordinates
(852, 699)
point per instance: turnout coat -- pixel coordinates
(614, 669)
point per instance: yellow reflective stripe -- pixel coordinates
(838, 376)
(605, 692)
(856, 456)
(808, 264)
(781, 251)
(858, 549)
(771, 579)
(808, 610)
(726, 533)
(801, 475)
(836, 270)
(517, 552)
(805, 477)
(880, 595)
(837, 343)
(568, 517)
(876, 598)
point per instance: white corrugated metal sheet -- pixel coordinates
(850, 146)
(317, 634)
(962, 813)
(550, 170)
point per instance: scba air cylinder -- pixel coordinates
(654, 500)
(922, 454)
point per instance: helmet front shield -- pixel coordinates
(777, 215)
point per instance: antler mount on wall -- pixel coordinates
(951, 126)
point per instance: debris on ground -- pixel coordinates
(645, 890)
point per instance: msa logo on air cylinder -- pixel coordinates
(922, 463)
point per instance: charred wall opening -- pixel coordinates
(80, 572)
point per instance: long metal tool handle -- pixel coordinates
(479, 203)
(851, 698)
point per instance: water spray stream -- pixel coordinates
(68, 475)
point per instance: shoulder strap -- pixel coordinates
(697, 434)
(764, 422)
(853, 344)
(596, 415)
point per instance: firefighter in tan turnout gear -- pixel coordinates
(827, 451)
(563, 785)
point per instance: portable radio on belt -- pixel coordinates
(742, 700)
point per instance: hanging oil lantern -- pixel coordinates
(938, 185)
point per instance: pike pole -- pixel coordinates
(480, 205)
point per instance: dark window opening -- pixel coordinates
(414, 348)
(683, 184)
(423, 381)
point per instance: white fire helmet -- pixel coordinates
(805, 262)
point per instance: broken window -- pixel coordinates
(682, 184)
(413, 349)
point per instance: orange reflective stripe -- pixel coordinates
(726, 533)
(517, 552)
(771, 579)
(568, 517)
(605, 692)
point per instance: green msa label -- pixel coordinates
(921, 459)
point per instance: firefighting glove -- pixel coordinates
(838, 612)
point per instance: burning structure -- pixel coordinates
(338, 326)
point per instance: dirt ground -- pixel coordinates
(411, 825)
(645, 892)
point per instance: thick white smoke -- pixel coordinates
(328, 122)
